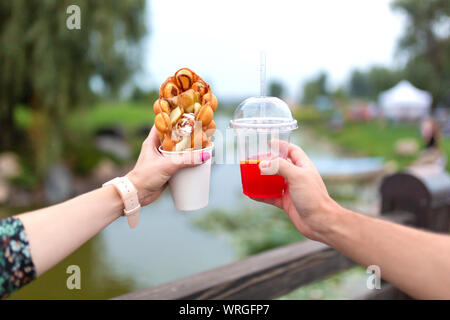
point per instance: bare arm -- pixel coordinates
(57, 231)
(415, 261)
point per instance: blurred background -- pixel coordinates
(368, 81)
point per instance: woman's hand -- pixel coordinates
(305, 199)
(152, 170)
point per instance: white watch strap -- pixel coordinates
(129, 196)
(133, 220)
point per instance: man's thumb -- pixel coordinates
(277, 166)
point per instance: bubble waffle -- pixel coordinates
(184, 112)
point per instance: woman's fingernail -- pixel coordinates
(205, 156)
(264, 164)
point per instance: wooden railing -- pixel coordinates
(418, 197)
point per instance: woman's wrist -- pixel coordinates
(112, 199)
(137, 182)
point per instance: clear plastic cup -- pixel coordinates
(190, 186)
(260, 123)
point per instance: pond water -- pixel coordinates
(164, 247)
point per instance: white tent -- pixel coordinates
(404, 101)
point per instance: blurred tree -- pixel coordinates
(426, 42)
(141, 95)
(339, 94)
(315, 88)
(369, 84)
(359, 84)
(49, 68)
(276, 89)
(382, 79)
(422, 74)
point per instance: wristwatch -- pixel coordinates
(129, 196)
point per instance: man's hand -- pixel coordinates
(305, 199)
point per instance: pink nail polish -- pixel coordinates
(264, 164)
(205, 156)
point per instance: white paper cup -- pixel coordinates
(190, 186)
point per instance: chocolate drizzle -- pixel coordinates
(182, 84)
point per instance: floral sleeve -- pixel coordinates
(16, 266)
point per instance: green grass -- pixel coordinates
(378, 140)
(78, 129)
(374, 139)
(343, 285)
(308, 114)
(129, 115)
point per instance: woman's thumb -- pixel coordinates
(277, 166)
(189, 159)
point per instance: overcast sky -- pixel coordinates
(221, 40)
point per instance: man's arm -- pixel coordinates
(415, 261)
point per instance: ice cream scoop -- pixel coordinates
(184, 126)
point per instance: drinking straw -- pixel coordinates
(262, 72)
(262, 78)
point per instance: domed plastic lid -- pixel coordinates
(263, 114)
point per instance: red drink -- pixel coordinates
(256, 185)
